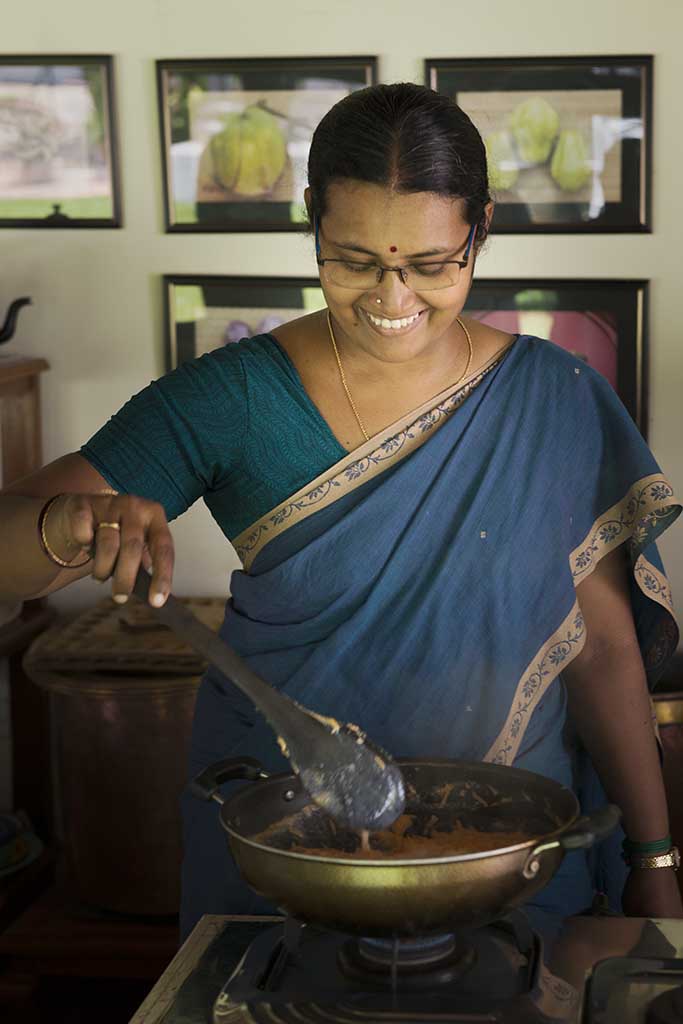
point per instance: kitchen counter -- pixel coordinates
(187, 989)
(160, 1000)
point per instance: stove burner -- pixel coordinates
(408, 954)
(405, 964)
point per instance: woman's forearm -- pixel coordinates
(611, 709)
(25, 570)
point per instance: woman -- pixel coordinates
(447, 531)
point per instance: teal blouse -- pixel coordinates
(234, 427)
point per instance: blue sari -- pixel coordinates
(425, 588)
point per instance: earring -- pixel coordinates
(378, 301)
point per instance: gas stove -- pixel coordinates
(585, 970)
(297, 973)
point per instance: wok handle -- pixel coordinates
(205, 785)
(591, 828)
(583, 833)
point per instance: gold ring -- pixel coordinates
(112, 526)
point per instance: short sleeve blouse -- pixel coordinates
(234, 427)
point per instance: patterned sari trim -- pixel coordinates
(648, 507)
(379, 453)
(653, 583)
(561, 648)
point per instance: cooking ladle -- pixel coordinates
(343, 772)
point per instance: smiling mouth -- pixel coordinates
(392, 323)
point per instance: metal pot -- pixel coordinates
(406, 897)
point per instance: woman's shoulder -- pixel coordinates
(538, 360)
(260, 348)
(232, 364)
(547, 353)
(536, 355)
(301, 337)
(277, 348)
(546, 357)
(558, 378)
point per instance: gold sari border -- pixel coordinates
(562, 647)
(648, 504)
(653, 583)
(362, 464)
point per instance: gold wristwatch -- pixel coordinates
(670, 859)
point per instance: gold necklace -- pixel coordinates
(342, 375)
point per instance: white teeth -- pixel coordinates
(392, 324)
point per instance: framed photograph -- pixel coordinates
(568, 139)
(58, 149)
(604, 323)
(201, 313)
(235, 136)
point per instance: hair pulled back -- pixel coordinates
(406, 137)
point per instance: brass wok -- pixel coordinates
(406, 897)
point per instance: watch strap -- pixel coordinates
(670, 859)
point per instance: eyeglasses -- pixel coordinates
(419, 277)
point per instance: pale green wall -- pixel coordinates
(97, 313)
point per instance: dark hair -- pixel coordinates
(407, 137)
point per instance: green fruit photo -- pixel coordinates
(236, 134)
(568, 139)
(570, 166)
(535, 124)
(248, 156)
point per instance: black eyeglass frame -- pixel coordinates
(398, 270)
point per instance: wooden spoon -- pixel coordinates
(343, 772)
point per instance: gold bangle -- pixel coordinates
(42, 536)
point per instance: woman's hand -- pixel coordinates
(652, 892)
(142, 538)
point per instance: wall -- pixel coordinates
(97, 295)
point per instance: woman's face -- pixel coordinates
(371, 222)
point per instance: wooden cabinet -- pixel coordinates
(20, 454)
(20, 427)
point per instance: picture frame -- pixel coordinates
(603, 322)
(235, 136)
(569, 139)
(59, 154)
(204, 311)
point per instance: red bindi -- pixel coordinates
(392, 248)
